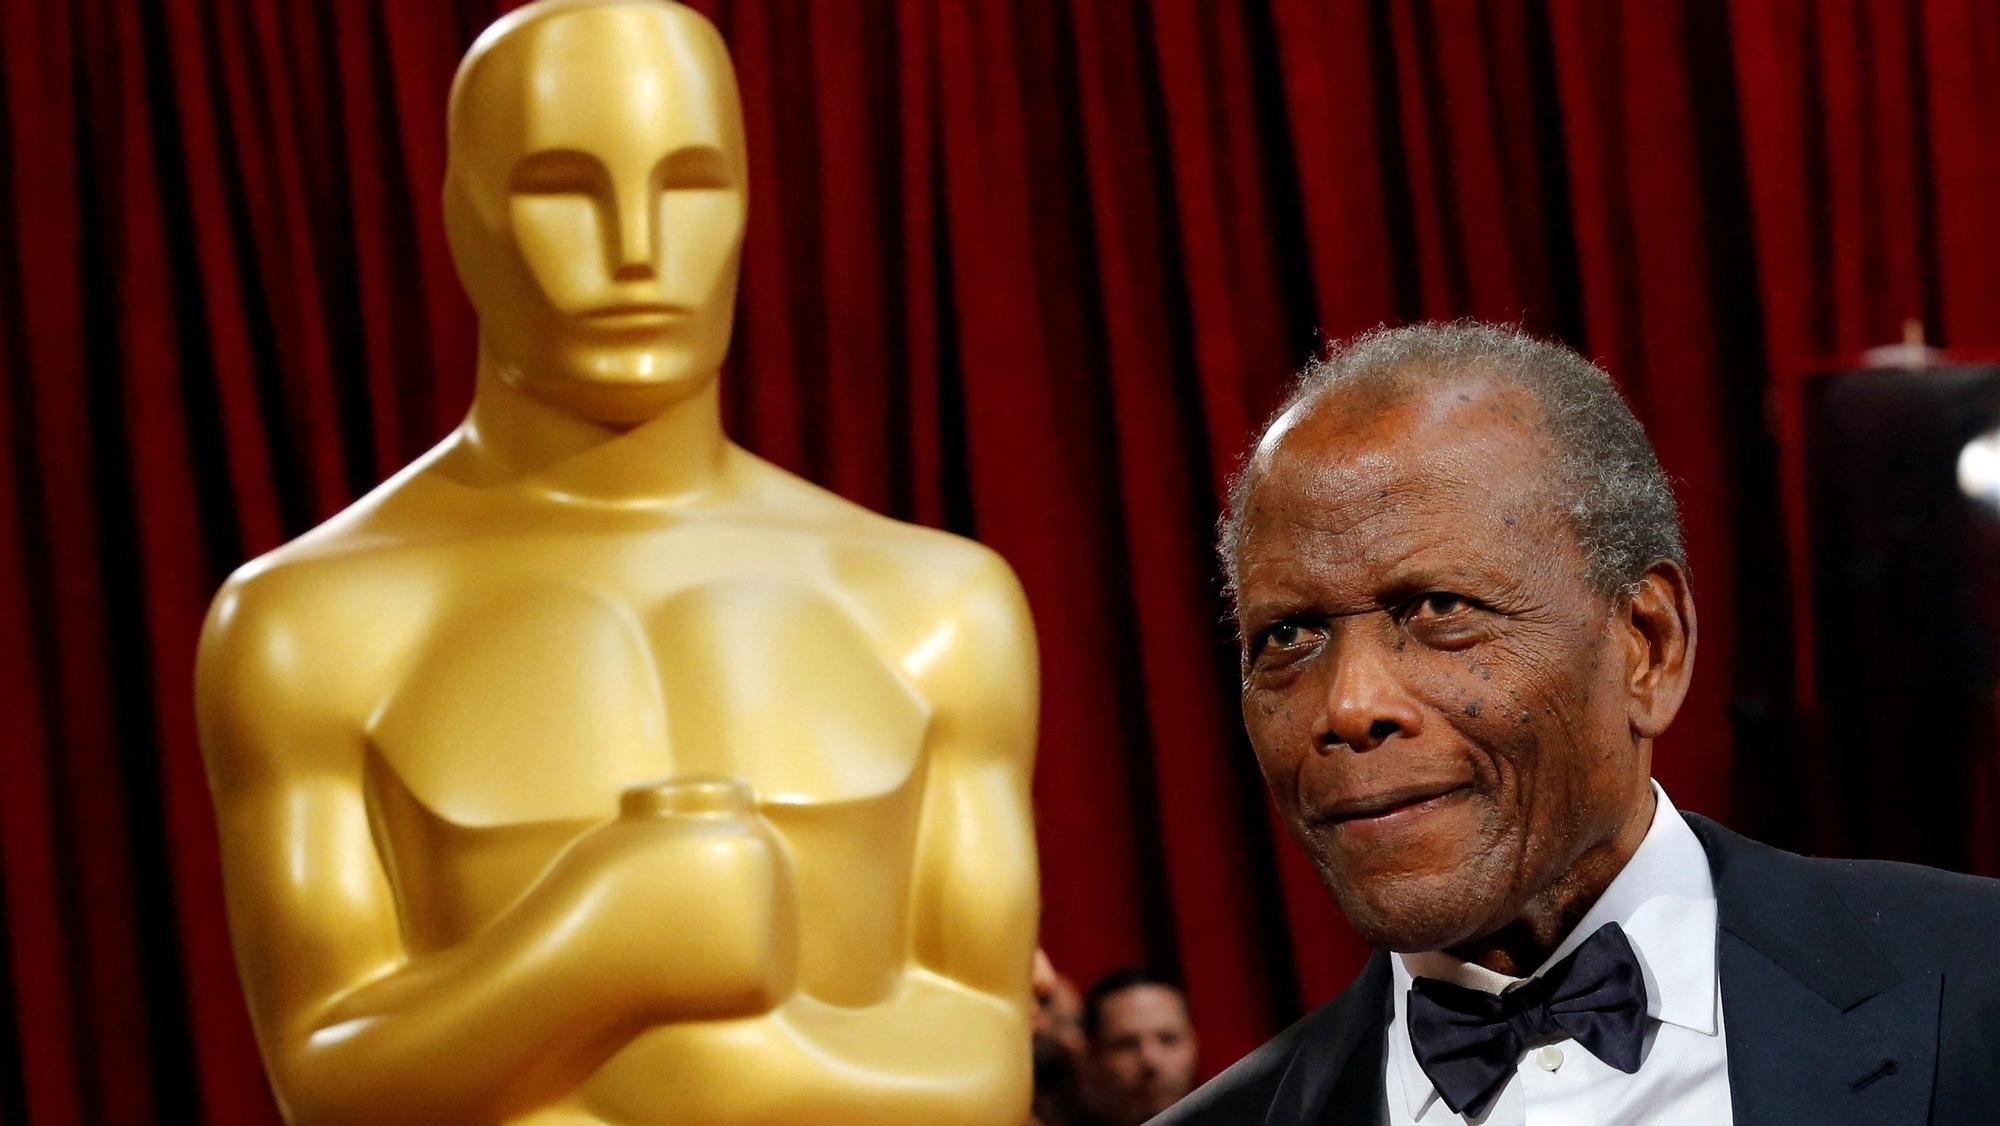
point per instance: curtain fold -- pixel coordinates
(1030, 272)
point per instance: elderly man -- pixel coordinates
(1465, 616)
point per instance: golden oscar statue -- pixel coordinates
(591, 769)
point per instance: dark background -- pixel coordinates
(1028, 271)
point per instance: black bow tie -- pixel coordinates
(1468, 1041)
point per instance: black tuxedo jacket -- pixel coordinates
(1853, 991)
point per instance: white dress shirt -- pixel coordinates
(1665, 901)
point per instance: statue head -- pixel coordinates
(594, 199)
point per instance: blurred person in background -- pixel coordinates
(1059, 1047)
(1142, 1048)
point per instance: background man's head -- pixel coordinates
(1142, 1048)
(1464, 612)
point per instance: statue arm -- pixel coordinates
(354, 1028)
(977, 906)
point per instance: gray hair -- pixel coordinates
(1607, 479)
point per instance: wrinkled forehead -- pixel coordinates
(1473, 441)
(637, 79)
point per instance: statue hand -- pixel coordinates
(689, 899)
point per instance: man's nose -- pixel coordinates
(634, 250)
(1366, 703)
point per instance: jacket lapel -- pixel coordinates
(1335, 1076)
(1821, 1027)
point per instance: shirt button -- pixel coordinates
(1549, 1057)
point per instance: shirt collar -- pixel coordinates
(1664, 898)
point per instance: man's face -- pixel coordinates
(1143, 1057)
(596, 202)
(1437, 698)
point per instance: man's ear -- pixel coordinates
(1656, 616)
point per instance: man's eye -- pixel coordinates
(1437, 605)
(1286, 637)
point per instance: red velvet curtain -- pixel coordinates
(1031, 272)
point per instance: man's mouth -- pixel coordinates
(1385, 809)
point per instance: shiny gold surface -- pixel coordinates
(591, 769)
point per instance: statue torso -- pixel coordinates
(528, 672)
(564, 669)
